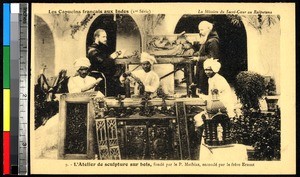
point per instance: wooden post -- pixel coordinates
(62, 126)
(183, 131)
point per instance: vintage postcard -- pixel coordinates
(162, 88)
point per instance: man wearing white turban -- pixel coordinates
(218, 85)
(81, 82)
(220, 89)
(145, 79)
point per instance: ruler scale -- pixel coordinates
(14, 84)
(23, 92)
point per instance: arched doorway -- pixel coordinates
(233, 41)
(44, 51)
(122, 32)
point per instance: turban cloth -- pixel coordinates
(147, 57)
(81, 62)
(213, 64)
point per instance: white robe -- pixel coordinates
(77, 83)
(150, 80)
(225, 93)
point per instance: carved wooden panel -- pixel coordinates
(163, 135)
(149, 138)
(136, 142)
(76, 128)
(160, 143)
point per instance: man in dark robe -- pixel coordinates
(102, 60)
(209, 48)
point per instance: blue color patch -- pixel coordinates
(6, 24)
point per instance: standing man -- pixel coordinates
(209, 48)
(218, 85)
(102, 60)
(219, 89)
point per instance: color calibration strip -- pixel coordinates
(6, 89)
(15, 88)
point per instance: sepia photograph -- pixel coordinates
(162, 88)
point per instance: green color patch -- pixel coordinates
(6, 67)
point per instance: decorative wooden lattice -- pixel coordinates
(107, 139)
(102, 139)
(114, 149)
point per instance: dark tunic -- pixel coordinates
(99, 56)
(210, 49)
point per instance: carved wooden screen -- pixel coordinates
(148, 138)
(164, 134)
(76, 126)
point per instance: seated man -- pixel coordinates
(146, 80)
(81, 82)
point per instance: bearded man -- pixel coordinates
(209, 48)
(102, 60)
